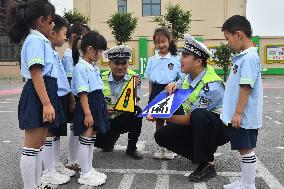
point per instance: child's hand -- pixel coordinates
(236, 120)
(171, 88)
(151, 118)
(48, 113)
(89, 121)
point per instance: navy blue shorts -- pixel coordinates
(242, 138)
(156, 89)
(30, 107)
(98, 108)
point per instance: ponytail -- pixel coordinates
(75, 50)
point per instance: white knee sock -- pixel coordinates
(47, 153)
(91, 151)
(248, 168)
(55, 151)
(83, 154)
(28, 167)
(38, 167)
(73, 144)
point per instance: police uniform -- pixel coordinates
(30, 107)
(121, 122)
(198, 141)
(63, 92)
(161, 71)
(86, 79)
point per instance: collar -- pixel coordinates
(168, 56)
(68, 50)
(250, 49)
(55, 53)
(111, 79)
(36, 32)
(194, 82)
(87, 64)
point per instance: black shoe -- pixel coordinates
(135, 155)
(203, 172)
(110, 149)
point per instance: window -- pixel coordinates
(151, 7)
(122, 6)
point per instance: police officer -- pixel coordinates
(115, 80)
(200, 131)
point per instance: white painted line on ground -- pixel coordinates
(278, 111)
(217, 154)
(277, 97)
(282, 148)
(278, 103)
(265, 96)
(201, 185)
(86, 187)
(163, 182)
(7, 111)
(6, 141)
(126, 181)
(267, 117)
(5, 102)
(267, 176)
(277, 122)
(11, 99)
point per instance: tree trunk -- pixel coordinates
(225, 74)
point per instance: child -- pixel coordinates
(74, 32)
(242, 103)
(55, 173)
(162, 69)
(90, 111)
(39, 107)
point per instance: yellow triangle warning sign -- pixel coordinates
(126, 101)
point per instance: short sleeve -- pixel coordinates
(80, 77)
(148, 68)
(35, 52)
(66, 61)
(249, 72)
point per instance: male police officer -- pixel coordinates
(115, 80)
(200, 130)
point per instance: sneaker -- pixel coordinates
(203, 172)
(169, 154)
(73, 165)
(159, 154)
(53, 177)
(134, 154)
(65, 171)
(233, 185)
(102, 175)
(92, 178)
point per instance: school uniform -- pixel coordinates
(246, 70)
(63, 92)
(86, 79)
(67, 62)
(37, 50)
(161, 71)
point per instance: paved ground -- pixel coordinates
(125, 173)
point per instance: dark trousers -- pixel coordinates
(125, 122)
(198, 141)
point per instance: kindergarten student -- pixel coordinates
(90, 115)
(243, 99)
(54, 172)
(162, 69)
(39, 107)
(74, 32)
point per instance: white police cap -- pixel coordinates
(121, 51)
(195, 47)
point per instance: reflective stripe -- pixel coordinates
(247, 81)
(36, 61)
(80, 89)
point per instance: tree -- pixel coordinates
(176, 20)
(223, 58)
(122, 26)
(75, 17)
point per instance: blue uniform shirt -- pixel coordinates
(86, 78)
(246, 69)
(62, 81)
(163, 70)
(36, 50)
(67, 62)
(210, 97)
(116, 87)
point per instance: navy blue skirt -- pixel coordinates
(30, 107)
(99, 112)
(156, 89)
(242, 138)
(62, 129)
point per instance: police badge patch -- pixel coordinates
(171, 66)
(206, 88)
(203, 102)
(235, 69)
